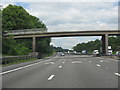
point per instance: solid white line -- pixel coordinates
(117, 74)
(49, 63)
(60, 66)
(51, 77)
(107, 58)
(98, 65)
(18, 68)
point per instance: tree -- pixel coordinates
(17, 18)
(114, 42)
(89, 46)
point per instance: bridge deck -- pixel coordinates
(64, 34)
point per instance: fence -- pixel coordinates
(10, 59)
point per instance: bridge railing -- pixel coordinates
(26, 31)
(11, 59)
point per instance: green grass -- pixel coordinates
(19, 61)
(4, 55)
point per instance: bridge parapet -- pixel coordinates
(26, 31)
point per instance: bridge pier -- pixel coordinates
(34, 44)
(35, 47)
(105, 44)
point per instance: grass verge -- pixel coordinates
(19, 61)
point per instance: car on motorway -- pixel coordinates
(109, 50)
(62, 54)
(118, 53)
(84, 52)
(96, 53)
(78, 53)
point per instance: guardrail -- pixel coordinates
(10, 59)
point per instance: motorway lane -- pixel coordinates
(80, 74)
(32, 77)
(70, 71)
(110, 65)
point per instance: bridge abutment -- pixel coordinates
(105, 44)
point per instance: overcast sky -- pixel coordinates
(73, 16)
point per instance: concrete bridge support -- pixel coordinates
(34, 44)
(35, 47)
(105, 44)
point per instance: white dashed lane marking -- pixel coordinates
(98, 65)
(101, 61)
(117, 74)
(60, 66)
(63, 62)
(51, 77)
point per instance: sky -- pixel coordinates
(73, 16)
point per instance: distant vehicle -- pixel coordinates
(84, 52)
(96, 53)
(118, 53)
(62, 54)
(74, 52)
(109, 50)
(78, 53)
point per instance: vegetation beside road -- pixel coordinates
(114, 42)
(17, 18)
(18, 62)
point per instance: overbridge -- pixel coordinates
(38, 34)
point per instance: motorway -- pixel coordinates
(69, 71)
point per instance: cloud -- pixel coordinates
(58, 16)
(60, 0)
(5, 4)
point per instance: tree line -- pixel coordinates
(114, 42)
(17, 18)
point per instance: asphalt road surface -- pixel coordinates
(69, 71)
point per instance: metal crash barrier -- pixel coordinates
(10, 59)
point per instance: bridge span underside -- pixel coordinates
(104, 43)
(102, 33)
